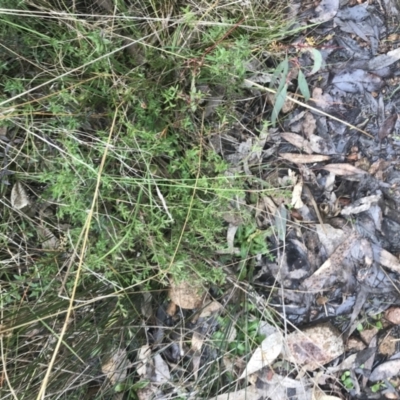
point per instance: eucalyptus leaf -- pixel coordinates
(317, 60)
(303, 85)
(284, 75)
(281, 71)
(279, 101)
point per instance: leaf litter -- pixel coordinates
(335, 248)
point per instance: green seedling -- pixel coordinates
(347, 381)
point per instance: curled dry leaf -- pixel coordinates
(48, 240)
(296, 195)
(387, 127)
(269, 205)
(386, 259)
(309, 124)
(19, 197)
(152, 368)
(332, 269)
(304, 158)
(144, 356)
(361, 205)
(314, 143)
(265, 354)
(197, 342)
(230, 239)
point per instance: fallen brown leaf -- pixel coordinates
(304, 158)
(343, 169)
(387, 126)
(298, 141)
(332, 269)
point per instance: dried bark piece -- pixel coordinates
(187, 294)
(309, 124)
(314, 346)
(393, 315)
(387, 345)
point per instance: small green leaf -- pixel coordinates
(377, 387)
(345, 375)
(303, 85)
(317, 60)
(348, 383)
(279, 101)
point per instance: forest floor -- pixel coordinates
(200, 200)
